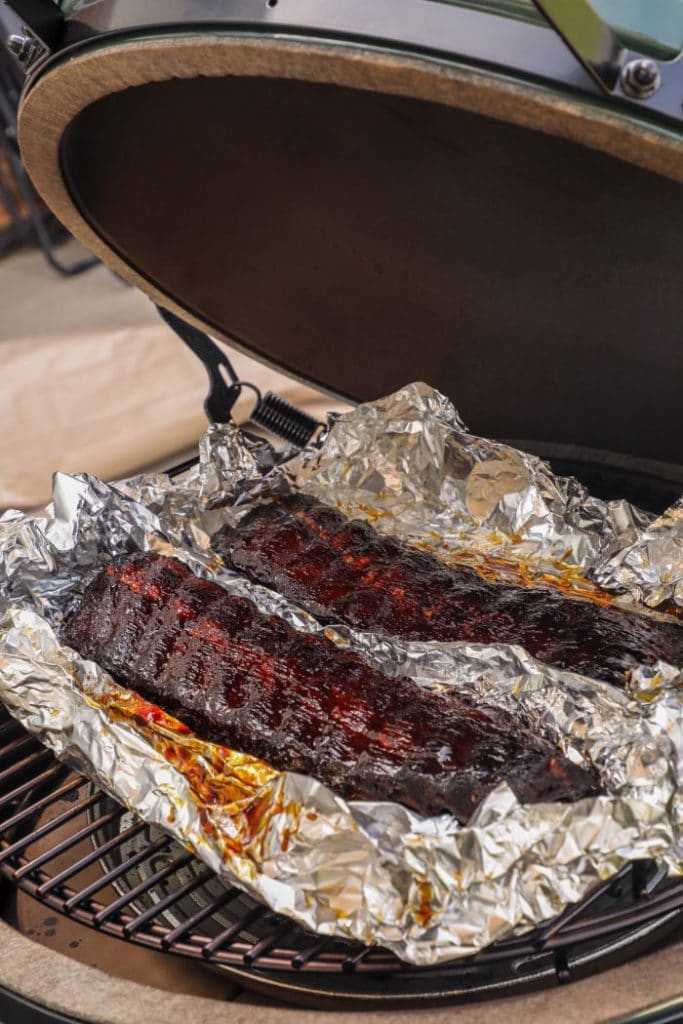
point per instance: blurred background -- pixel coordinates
(90, 378)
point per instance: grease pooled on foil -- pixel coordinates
(430, 889)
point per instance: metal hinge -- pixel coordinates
(619, 72)
(270, 412)
(42, 24)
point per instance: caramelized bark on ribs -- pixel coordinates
(251, 682)
(344, 571)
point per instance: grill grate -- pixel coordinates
(78, 852)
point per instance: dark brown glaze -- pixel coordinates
(251, 682)
(344, 571)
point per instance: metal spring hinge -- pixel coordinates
(271, 412)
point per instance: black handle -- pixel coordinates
(271, 412)
(222, 396)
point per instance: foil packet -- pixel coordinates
(430, 889)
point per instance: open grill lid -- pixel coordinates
(431, 192)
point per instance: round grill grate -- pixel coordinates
(80, 853)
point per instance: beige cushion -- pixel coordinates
(109, 402)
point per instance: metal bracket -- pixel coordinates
(271, 412)
(222, 396)
(592, 41)
(42, 19)
(621, 73)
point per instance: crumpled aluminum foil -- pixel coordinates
(411, 462)
(430, 889)
(651, 568)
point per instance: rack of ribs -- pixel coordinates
(251, 682)
(343, 571)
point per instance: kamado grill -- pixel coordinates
(80, 854)
(482, 195)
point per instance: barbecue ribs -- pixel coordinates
(344, 571)
(251, 682)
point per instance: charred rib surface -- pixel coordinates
(253, 683)
(344, 571)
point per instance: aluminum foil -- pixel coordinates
(651, 568)
(430, 889)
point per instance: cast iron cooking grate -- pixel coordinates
(77, 851)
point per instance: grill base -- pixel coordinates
(14, 1009)
(80, 854)
(413, 990)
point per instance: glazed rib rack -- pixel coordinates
(251, 682)
(344, 571)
